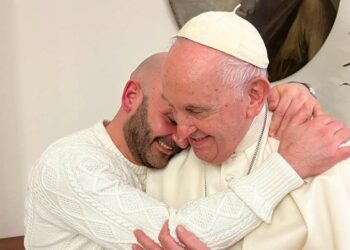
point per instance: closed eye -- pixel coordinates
(198, 113)
(171, 120)
(195, 112)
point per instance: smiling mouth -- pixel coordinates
(199, 139)
(165, 145)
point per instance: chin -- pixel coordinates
(203, 156)
(159, 164)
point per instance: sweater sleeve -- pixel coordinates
(97, 197)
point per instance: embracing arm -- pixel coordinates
(100, 202)
(97, 199)
(314, 146)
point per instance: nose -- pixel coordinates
(183, 132)
(182, 143)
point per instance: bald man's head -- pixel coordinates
(148, 73)
(143, 127)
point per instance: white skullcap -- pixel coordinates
(229, 33)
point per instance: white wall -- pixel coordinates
(63, 64)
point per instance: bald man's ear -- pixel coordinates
(257, 90)
(132, 96)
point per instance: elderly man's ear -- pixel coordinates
(257, 91)
(132, 96)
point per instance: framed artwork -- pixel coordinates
(293, 30)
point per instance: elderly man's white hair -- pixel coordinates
(236, 73)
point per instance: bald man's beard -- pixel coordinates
(142, 143)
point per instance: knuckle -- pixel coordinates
(303, 98)
(279, 112)
(322, 119)
(309, 107)
(162, 238)
(330, 118)
(317, 110)
(288, 116)
(305, 113)
(291, 91)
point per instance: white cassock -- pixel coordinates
(313, 217)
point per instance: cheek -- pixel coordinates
(211, 128)
(205, 126)
(226, 130)
(163, 128)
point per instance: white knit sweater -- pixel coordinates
(84, 194)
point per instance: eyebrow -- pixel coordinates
(192, 107)
(189, 106)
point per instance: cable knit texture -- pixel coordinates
(84, 194)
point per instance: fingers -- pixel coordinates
(273, 99)
(299, 111)
(292, 105)
(345, 144)
(343, 138)
(335, 126)
(317, 110)
(136, 247)
(316, 145)
(338, 135)
(166, 240)
(189, 239)
(278, 116)
(145, 241)
(295, 114)
(344, 151)
(322, 119)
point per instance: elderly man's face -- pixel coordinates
(207, 112)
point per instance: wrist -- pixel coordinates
(308, 86)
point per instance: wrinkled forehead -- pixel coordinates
(187, 51)
(190, 66)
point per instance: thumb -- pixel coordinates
(273, 99)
